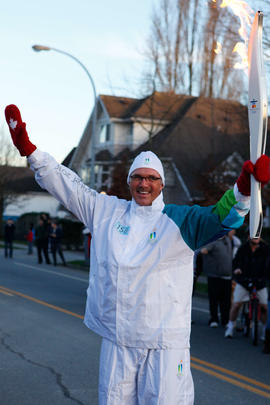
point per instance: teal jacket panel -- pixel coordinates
(201, 225)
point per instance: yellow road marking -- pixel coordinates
(232, 373)
(65, 311)
(195, 360)
(5, 292)
(231, 380)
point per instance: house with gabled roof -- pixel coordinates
(122, 123)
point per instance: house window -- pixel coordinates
(131, 130)
(102, 178)
(85, 175)
(104, 133)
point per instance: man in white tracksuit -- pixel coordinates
(140, 287)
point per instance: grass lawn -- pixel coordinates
(14, 247)
(201, 288)
(78, 264)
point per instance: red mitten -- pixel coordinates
(243, 181)
(17, 130)
(262, 170)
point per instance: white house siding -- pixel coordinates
(122, 136)
(33, 202)
(141, 132)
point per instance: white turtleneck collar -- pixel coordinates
(148, 210)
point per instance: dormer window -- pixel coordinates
(104, 133)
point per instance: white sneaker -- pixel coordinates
(213, 325)
(229, 332)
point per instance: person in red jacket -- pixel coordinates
(30, 239)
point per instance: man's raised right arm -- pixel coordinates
(57, 179)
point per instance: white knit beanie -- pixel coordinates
(147, 159)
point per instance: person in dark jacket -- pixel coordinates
(9, 237)
(55, 242)
(250, 265)
(217, 265)
(41, 239)
(47, 226)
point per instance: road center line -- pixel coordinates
(55, 273)
(231, 380)
(5, 292)
(46, 304)
(232, 373)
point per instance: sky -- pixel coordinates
(52, 91)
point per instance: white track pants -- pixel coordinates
(130, 376)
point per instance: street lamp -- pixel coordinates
(39, 48)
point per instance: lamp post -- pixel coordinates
(39, 48)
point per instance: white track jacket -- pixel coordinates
(141, 266)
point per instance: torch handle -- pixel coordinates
(257, 114)
(256, 214)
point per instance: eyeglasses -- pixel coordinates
(149, 179)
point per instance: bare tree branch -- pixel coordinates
(180, 51)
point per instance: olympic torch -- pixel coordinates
(257, 116)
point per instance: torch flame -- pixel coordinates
(245, 13)
(218, 48)
(241, 49)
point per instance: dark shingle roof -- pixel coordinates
(160, 106)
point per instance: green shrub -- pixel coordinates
(72, 233)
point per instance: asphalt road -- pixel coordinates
(48, 356)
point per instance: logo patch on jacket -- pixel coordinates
(180, 369)
(123, 229)
(153, 236)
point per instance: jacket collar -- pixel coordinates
(149, 210)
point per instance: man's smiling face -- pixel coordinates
(144, 191)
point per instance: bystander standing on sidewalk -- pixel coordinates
(47, 226)
(41, 239)
(30, 239)
(55, 242)
(9, 238)
(217, 265)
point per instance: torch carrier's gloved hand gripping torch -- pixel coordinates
(260, 170)
(18, 131)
